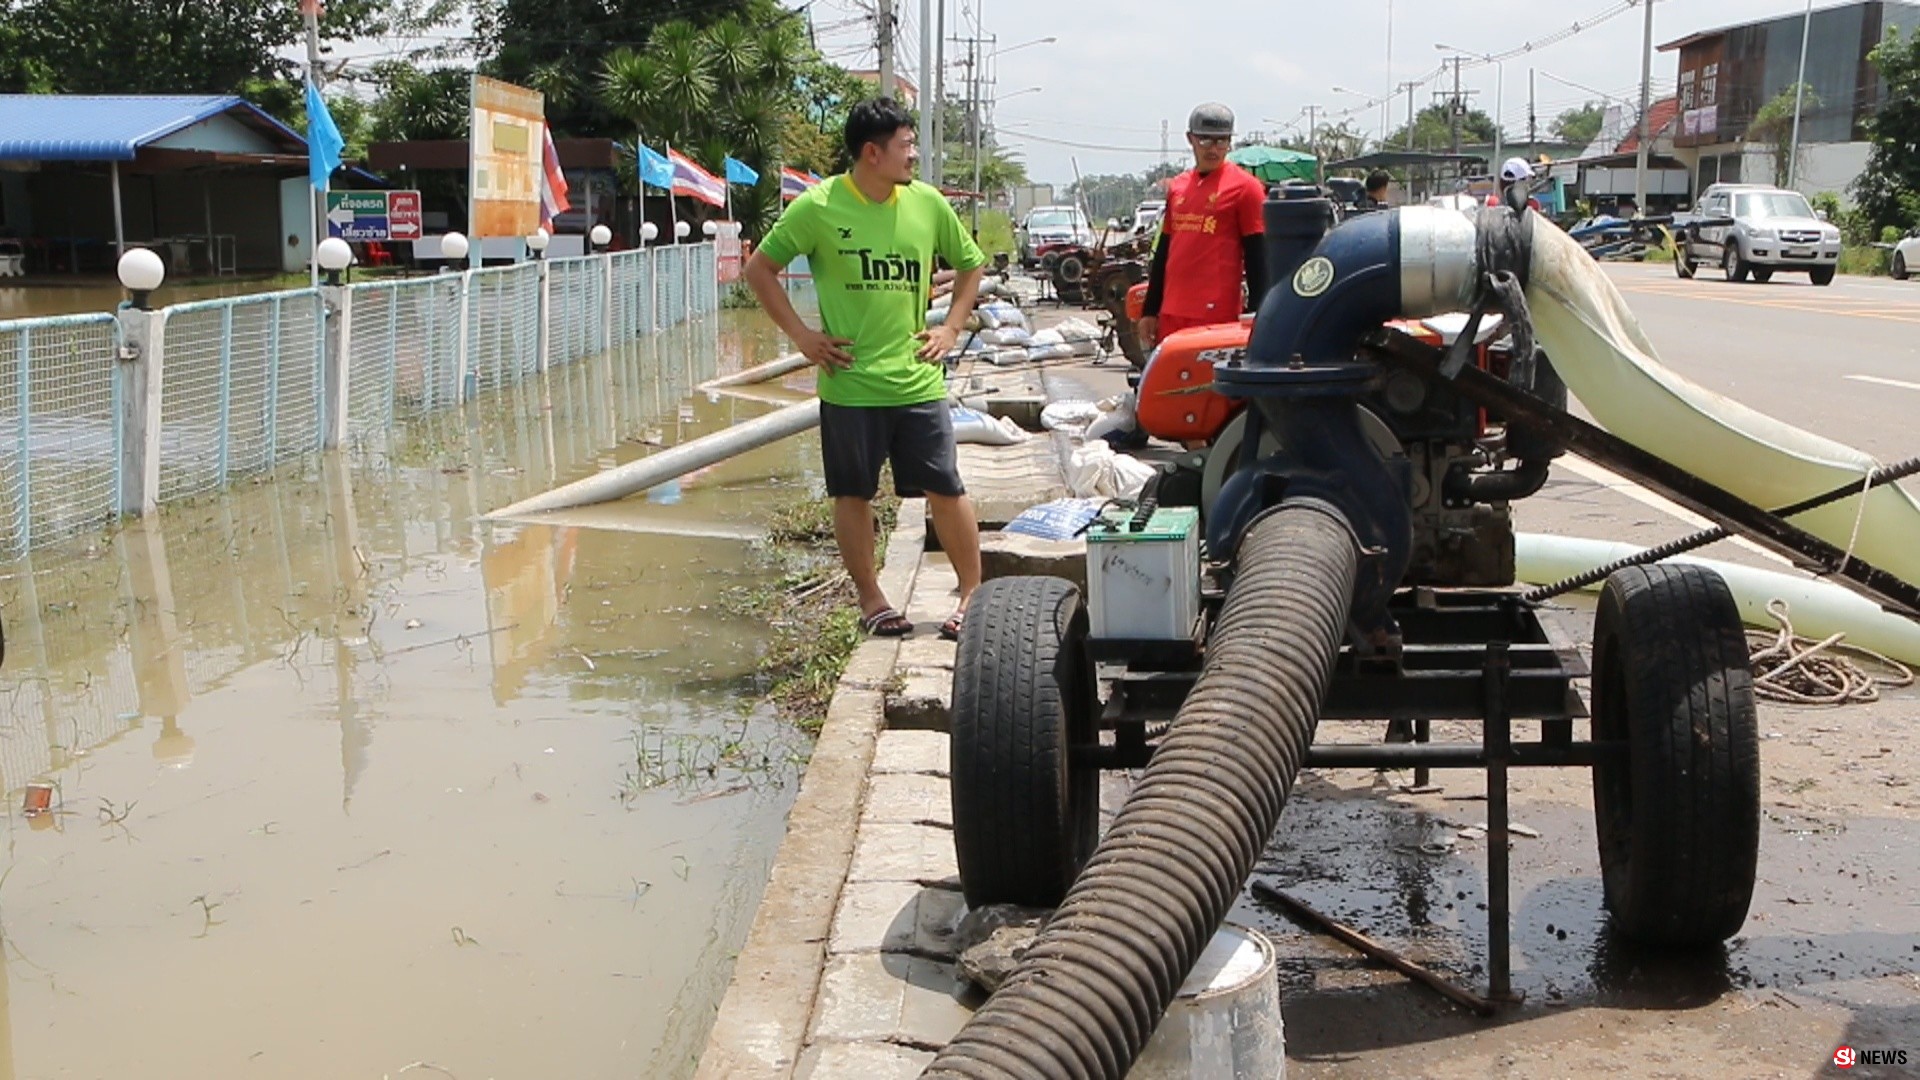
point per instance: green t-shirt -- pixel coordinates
(873, 270)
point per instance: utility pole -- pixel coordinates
(1646, 87)
(1163, 143)
(310, 10)
(1312, 146)
(1533, 121)
(884, 23)
(973, 75)
(1409, 87)
(1455, 109)
(939, 78)
(926, 74)
(1799, 96)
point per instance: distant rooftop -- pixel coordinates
(74, 127)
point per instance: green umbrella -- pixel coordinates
(1274, 164)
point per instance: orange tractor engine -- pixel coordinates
(1176, 400)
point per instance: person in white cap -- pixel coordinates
(1516, 171)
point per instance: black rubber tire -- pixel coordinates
(1678, 818)
(1071, 269)
(1682, 260)
(1822, 276)
(1899, 267)
(1025, 819)
(1762, 274)
(1733, 264)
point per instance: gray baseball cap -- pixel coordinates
(1211, 118)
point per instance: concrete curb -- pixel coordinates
(763, 1019)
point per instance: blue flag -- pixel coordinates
(323, 139)
(655, 169)
(738, 172)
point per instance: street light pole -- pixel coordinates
(1799, 95)
(1646, 88)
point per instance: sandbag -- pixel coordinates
(1095, 469)
(970, 426)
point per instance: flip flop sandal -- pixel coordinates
(887, 622)
(950, 629)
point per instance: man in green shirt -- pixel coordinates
(870, 237)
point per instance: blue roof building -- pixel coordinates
(213, 183)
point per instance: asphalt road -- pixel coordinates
(1843, 361)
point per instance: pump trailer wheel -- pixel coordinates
(1678, 814)
(1025, 816)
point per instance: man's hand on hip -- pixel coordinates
(939, 342)
(825, 351)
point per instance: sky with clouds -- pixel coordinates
(1120, 67)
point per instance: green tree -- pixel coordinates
(1772, 127)
(1432, 130)
(561, 47)
(1579, 126)
(733, 86)
(1888, 192)
(182, 46)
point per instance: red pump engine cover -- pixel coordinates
(1137, 301)
(1176, 401)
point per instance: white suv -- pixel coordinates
(1772, 230)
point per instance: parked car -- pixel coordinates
(1771, 230)
(1046, 228)
(1906, 255)
(1147, 215)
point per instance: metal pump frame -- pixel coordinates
(1466, 654)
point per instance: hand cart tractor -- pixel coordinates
(1356, 566)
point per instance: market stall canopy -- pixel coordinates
(1274, 164)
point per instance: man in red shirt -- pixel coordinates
(1210, 237)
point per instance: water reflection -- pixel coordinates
(384, 783)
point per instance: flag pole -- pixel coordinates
(640, 168)
(673, 207)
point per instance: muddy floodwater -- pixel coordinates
(348, 780)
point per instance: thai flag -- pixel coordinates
(553, 183)
(691, 180)
(794, 183)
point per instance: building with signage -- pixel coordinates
(212, 183)
(1728, 74)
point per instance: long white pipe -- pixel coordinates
(672, 463)
(760, 373)
(1816, 607)
(1599, 349)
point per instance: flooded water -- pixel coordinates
(348, 779)
(92, 295)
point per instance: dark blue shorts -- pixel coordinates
(918, 439)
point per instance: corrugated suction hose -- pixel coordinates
(1096, 983)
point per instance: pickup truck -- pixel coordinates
(1755, 230)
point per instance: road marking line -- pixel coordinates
(1782, 305)
(1903, 384)
(1613, 481)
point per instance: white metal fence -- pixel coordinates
(60, 427)
(105, 414)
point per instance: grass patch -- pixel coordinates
(996, 233)
(1866, 261)
(1661, 254)
(812, 609)
(737, 295)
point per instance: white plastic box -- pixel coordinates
(1144, 586)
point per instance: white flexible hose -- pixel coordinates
(1598, 348)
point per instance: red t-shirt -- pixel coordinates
(1206, 218)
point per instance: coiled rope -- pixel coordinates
(1800, 671)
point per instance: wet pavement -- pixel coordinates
(348, 780)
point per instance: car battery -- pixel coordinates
(1143, 578)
